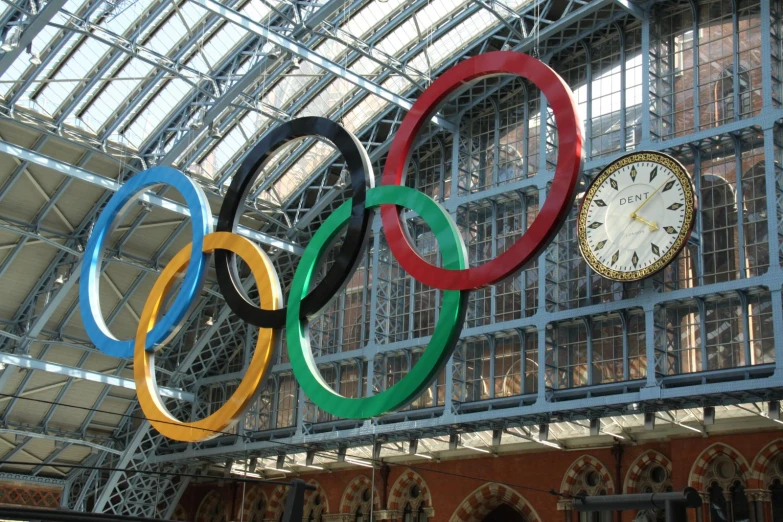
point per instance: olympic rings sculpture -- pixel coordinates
(354, 217)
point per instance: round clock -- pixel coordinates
(636, 216)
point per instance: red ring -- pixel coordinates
(559, 199)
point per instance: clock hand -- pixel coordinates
(653, 226)
(633, 214)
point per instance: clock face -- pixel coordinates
(636, 216)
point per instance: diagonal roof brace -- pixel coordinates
(321, 61)
(110, 184)
(23, 361)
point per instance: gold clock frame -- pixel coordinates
(679, 243)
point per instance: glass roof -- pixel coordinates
(140, 73)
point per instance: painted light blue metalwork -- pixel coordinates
(89, 299)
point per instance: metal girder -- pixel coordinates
(631, 7)
(238, 88)
(188, 46)
(313, 90)
(321, 61)
(23, 361)
(33, 27)
(105, 67)
(579, 12)
(65, 440)
(111, 185)
(49, 54)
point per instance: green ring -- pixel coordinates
(444, 337)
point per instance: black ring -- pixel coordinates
(348, 258)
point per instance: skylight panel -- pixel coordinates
(284, 91)
(125, 81)
(214, 50)
(302, 169)
(327, 99)
(456, 39)
(165, 37)
(20, 65)
(78, 67)
(125, 16)
(331, 49)
(258, 9)
(369, 16)
(154, 113)
(251, 123)
(225, 150)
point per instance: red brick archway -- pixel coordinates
(252, 497)
(761, 462)
(310, 497)
(351, 498)
(578, 466)
(482, 501)
(180, 514)
(400, 490)
(212, 502)
(276, 502)
(699, 469)
(638, 466)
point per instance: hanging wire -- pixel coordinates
(301, 448)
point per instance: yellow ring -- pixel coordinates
(144, 362)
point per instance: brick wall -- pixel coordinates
(461, 489)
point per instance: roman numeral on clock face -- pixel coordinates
(634, 259)
(675, 206)
(653, 173)
(599, 202)
(613, 183)
(633, 173)
(655, 249)
(668, 186)
(594, 225)
(615, 257)
(670, 230)
(600, 244)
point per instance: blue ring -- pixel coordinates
(89, 296)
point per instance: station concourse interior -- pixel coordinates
(562, 384)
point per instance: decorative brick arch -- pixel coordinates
(351, 498)
(762, 462)
(483, 500)
(699, 468)
(180, 514)
(207, 507)
(276, 503)
(310, 497)
(578, 466)
(642, 461)
(250, 503)
(401, 488)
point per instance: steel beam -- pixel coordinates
(65, 440)
(321, 61)
(34, 26)
(152, 199)
(238, 88)
(23, 361)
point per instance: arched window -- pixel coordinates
(259, 511)
(654, 479)
(776, 497)
(362, 513)
(773, 480)
(726, 491)
(589, 483)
